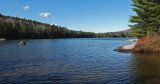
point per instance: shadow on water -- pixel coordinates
(53, 78)
(38, 74)
(144, 68)
(2, 42)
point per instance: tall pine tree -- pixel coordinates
(147, 19)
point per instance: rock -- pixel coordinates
(126, 48)
(22, 43)
(131, 40)
(2, 39)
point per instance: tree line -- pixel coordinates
(147, 20)
(18, 28)
(114, 34)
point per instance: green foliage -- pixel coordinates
(114, 34)
(17, 28)
(147, 19)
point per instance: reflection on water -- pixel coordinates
(89, 60)
(145, 68)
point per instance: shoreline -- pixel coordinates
(127, 48)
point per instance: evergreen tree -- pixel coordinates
(147, 18)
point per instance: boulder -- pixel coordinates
(131, 40)
(22, 43)
(126, 48)
(2, 39)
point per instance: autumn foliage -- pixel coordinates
(148, 44)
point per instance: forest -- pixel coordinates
(21, 28)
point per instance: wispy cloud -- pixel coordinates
(26, 7)
(45, 14)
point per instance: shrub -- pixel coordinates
(148, 44)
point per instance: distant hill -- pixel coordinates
(124, 33)
(127, 31)
(21, 28)
(18, 28)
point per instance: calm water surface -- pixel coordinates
(84, 61)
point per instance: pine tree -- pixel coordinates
(146, 20)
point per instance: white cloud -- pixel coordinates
(26, 7)
(45, 14)
(55, 24)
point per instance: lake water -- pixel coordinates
(84, 61)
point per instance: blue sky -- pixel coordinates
(85, 15)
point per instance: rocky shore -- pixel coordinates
(127, 48)
(131, 40)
